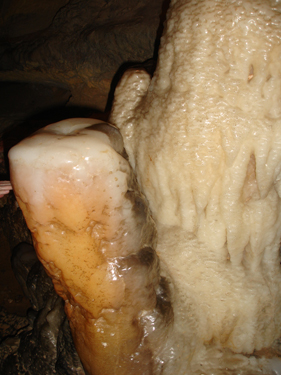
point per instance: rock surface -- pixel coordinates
(77, 44)
(42, 342)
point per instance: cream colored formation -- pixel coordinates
(204, 140)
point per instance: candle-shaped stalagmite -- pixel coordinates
(95, 237)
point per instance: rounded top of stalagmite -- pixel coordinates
(76, 148)
(79, 137)
(68, 159)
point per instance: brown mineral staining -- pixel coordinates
(251, 73)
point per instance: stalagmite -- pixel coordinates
(203, 138)
(95, 237)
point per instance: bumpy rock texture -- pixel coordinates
(204, 138)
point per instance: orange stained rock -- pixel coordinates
(90, 234)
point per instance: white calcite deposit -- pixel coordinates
(203, 138)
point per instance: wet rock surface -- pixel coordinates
(40, 343)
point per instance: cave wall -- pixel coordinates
(78, 45)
